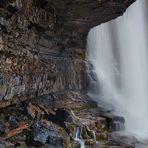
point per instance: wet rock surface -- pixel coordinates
(44, 133)
(117, 124)
(14, 121)
(123, 139)
(2, 127)
(39, 125)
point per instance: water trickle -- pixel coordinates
(117, 54)
(79, 138)
(94, 136)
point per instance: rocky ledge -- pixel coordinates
(42, 71)
(33, 124)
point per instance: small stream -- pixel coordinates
(79, 138)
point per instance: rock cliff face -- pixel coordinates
(42, 44)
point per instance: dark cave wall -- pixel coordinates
(42, 44)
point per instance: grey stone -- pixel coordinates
(43, 133)
(14, 121)
(2, 146)
(117, 124)
(1, 80)
(2, 92)
(2, 128)
(121, 138)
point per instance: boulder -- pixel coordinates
(44, 134)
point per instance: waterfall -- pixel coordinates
(117, 55)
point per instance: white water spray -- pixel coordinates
(118, 51)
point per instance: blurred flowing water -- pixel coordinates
(79, 138)
(117, 55)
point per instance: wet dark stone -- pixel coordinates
(2, 128)
(44, 100)
(39, 28)
(64, 115)
(40, 4)
(55, 139)
(14, 121)
(92, 82)
(92, 103)
(42, 134)
(117, 124)
(1, 80)
(52, 146)
(2, 146)
(118, 118)
(121, 139)
(3, 3)
(94, 76)
(12, 8)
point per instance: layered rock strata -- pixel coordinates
(42, 44)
